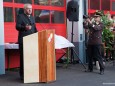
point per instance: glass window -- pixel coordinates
(41, 2)
(88, 4)
(7, 0)
(95, 4)
(42, 16)
(18, 11)
(113, 6)
(8, 14)
(57, 2)
(105, 5)
(57, 17)
(23, 1)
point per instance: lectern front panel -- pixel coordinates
(31, 65)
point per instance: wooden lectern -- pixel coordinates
(39, 57)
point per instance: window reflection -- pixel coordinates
(57, 2)
(8, 14)
(105, 5)
(23, 1)
(42, 16)
(95, 4)
(7, 0)
(41, 2)
(57, 17)
(113, 6)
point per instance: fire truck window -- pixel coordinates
(57, 17)
(105, 5)
(41, 2)
(23, 1)
(7, 0)
(42, 16)
(57, 2)
(8, 14)
(95, 4)
(113, 6)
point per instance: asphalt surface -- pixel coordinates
(72, 75)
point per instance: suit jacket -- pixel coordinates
(22, 21)
(95, 34)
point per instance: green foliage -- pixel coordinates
(106, 21)
(107, 35)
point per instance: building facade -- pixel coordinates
(49, 14)
(106, 5)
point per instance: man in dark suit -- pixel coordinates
(95, 42)
(25, 25)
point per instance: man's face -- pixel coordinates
(97, 18)
(28, 10)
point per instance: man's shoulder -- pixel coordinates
(21, 14)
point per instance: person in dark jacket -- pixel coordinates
(95, 42)
(25, 25)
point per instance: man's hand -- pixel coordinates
(89, 21)
(28, 27)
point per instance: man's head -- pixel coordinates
(28, 9)
(97, 17)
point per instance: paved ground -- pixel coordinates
(74, 75)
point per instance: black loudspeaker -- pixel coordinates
(72, 12)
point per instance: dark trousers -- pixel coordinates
(21, 60)
(94, 51)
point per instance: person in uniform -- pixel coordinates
(25, 25)
(95, 42)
